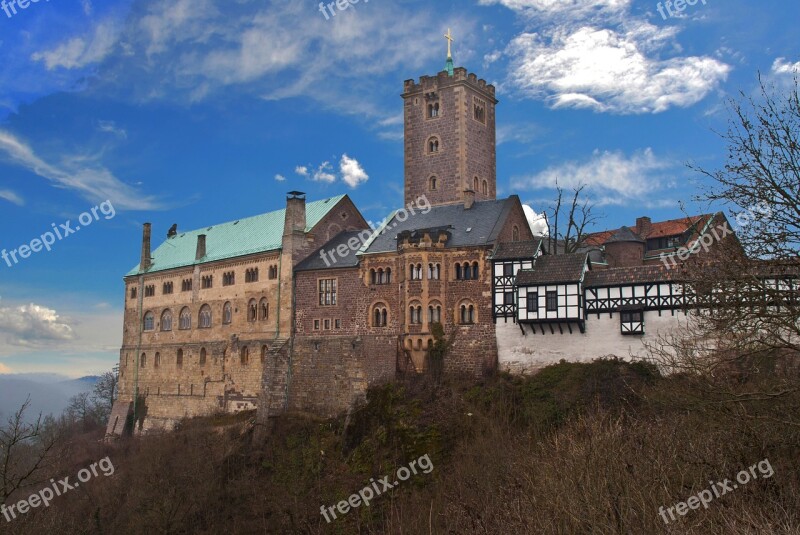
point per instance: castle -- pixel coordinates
(302, 309)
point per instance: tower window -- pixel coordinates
(479, 110)
(475, 184)
(433, 145)
(433, 110)
(485, 187)
(432, 184)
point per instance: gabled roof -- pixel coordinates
(555, 269)
(659, 229)
(476, 226)
(517, 250)
(317, 261)
(242, 237)
(631, 275)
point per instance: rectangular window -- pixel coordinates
(632, 322)
(316, 325)
(337, 324)
(552, 301)
(327, 292)
(508, 298)
(327, 325)
(533, 302)
(508, 270)
(133, 292)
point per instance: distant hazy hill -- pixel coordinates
(49, 392)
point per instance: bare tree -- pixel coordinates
(24, 452)
(105, 393)
(568, 220)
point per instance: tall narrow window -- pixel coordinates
(532, 302)
(179, 359)
(552, 301)
(205, 317)
(185, 321)
(244, 356)
(252, 310)
(149, 321)
(166, 320)
(475, 271)
(432, 184)
(485, 188)
(264, 309)
(227, 313)
(203, 356)
(264, 350)
(157, 361)
(143, 361)
(515, 233)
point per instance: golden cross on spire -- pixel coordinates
(449, 38)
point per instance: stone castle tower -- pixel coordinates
(450, 137)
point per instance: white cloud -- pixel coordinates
(611, 178)
(781, 66)
(323, 173)
(110, 127)
(610, 71)
(11, 197)
(78, 52)
(573, 8)
(280, 178)
(4, 368)
(79, 173)
(301, 170)
(536, 221)
(33, 326)
(352, 172)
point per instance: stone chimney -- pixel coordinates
(295, 213)
(643, 226)
(146, 260)
(201, 247)
(469, 199)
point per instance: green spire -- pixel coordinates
(448, 66)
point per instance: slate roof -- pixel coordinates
(479, 225)
(316, 261)
(555, 269)
(631, 275)
(517, 250)
(625, 235)
(251, 235)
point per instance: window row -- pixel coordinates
(256, 311)
(434, 271)
(484, 186)
(380, 276)
(467, 271)
(327, 324)
(207, 281)
(158, 362)
(466, 314)
(551, 302)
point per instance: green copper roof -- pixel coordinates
(252, 235)
(448, 66)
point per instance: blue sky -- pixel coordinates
(202, 111)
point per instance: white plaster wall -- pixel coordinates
(526, 354)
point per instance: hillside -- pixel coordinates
(578, 448)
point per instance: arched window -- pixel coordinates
(373, 276)
(185, 320)
(143, 361)
(415, 314)
(244, 356)
(252, 310)
(227, 313)
(203, 356)
(388, 276)
(515, 233)
(166, 320)
(179, 359)
(485, 188)
(157, 360)
(435, 312)
(381, 277)
(434, 271)
(432, 183)
(263, 354)
(205, 317)
(149, 321)
(458, 271)
(379, 315)
(466, 272)
(433, 110)
(264, 309)
(475, 185)
(467, 314)
(475, 274)
(433, 145)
